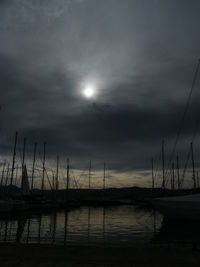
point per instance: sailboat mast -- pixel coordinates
(68, 174)
(53, 181)
(7, 175)
(23, 155)
(3, 171)
(13, 162)
(104, 176)
(193, 168)
(43, 169)
(57, 167)
(163, 164)
(89, 174)
(16, 175)
(178, 174)
(23, 159)
(33, 168)
(172, 181)
(197, 179)
(152, 173)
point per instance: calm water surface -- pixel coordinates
(122, 225)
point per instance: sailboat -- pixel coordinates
(10, 205)
(25, 183)
(185, 208)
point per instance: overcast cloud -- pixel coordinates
(139, 54)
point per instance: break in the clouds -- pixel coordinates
(139, 56)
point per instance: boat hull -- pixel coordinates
(179, 208)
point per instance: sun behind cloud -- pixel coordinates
(89, 91)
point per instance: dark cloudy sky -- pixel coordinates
(140, 55)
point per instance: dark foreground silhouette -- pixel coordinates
(47, 255)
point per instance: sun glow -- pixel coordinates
(89, 91)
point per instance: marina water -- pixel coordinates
(116, 226)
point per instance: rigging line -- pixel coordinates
(19, 149)
(41, 167)
(5, 132)
(188, 156)
(184, 114)
(193, 139)
(83, 174)
(77, 184)
(48, 178)
(45, 171)
(71, 176)
(78, 181)
(156, 174)
(196, 129)
(185, 168)
(74, 185)
(63, 177)
(64, 181)
(168, 178)
(157, 160)
(38, 170)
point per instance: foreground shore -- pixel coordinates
(57, 256)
